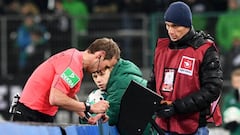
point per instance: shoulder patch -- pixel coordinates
(70, 77)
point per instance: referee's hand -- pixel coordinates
(94, 119)
(100, 107)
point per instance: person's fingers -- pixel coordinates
(100, 107)
(105, 118)
(94, 119)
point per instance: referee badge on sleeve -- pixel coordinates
(70, 77)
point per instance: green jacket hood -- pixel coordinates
(124, 68)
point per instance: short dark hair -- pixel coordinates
(105, 44)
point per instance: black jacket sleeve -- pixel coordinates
(211, 82)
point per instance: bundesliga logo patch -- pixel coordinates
(70, 77)
(186, 65)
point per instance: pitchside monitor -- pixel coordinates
(138, 105)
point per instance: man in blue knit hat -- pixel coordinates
(188, 74)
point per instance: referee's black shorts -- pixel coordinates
(24, 113)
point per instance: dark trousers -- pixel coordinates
(24, 113)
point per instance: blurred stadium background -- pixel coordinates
(134, 24)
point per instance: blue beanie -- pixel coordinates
(179, 13)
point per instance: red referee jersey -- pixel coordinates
(63, 71)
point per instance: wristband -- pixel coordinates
(87, 107)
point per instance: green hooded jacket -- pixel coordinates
(121, 75)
